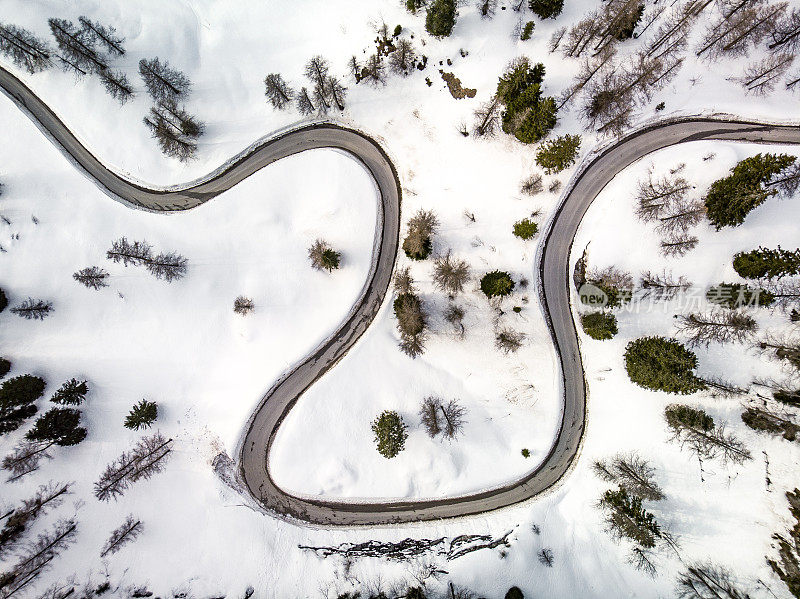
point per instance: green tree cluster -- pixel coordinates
(390, 433)
(599, 325)
(730, 199)
(58, 425)
(16, 400)
(557, 154)
(497, 284)
(662, 365)
(441, 18)
(72, 393)
(525, 228)
(527, 115)
(766, 263)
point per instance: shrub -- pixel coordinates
(243, 305)
(390, 433)
(398, 29)
(142, 415)
(5, 366)
(421, 227)
(497, 284)
(408, 310)
(3, 300)
(599, 325)
(441, 18)
(557, 154)
(730, 199)
(508, 341)
(525, 228)
(546, 9)
(73, 392)
(532, 185)
(526, 453)
(450, 275)
(60, 426)
(662, 365)
(527, 31)
(527, 115)
(765, 263)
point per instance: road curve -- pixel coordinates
(553, 284)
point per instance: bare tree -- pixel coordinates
(655, 196)
(169, 266)
(337, 92)
(455, 316)
(454, 420)
(243, 305)
(78, 51)
(25, 458)
(37, 557)
(761, 76)
(508, 340)
(696, 430)
(735, 32)
(771, 421)
(374, 71)
(708, 581)
(532, 185)
(163, 83)
(781, 346)
(678, 245)
(680, 216)
(546, 557)
(421, 227)
(143, 461)
(127, 532)
(718, 326)
(785, 34)
(117, 85)
(317, 70)
(403, 281)
(137, 253)
(672, 33)
(486, 118)
(663, 287)
(413, 345)
(430, 415)
(589, 67)
(722, 387)
(104, 34)
(450, 274)
(487, 8)
(305, 105)
(555, 39)
(402, 60)
(175, 130)
(633, 473)
(25, 49)
(278, 91)
(787, 181)
(92, 277)
(47, 497)
(32, 309)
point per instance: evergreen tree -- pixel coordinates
(16, 400)
(730, 199)
(390, 433)
(5, 366)
(32, 309)
(92, 277)
(662, 365)
(72, 393)
(418, 243)
(694, 428)
(736, 295)
(142, 415)
(59, 425)
(514, 593)
(3, 300)
(527, 31)
(527, 115)
(557, 154)
(525, 228)
(546, 9)
(497, 284)
(599, 325)
(627, 518)
(323, 257)
(441, 18)
(766, 263)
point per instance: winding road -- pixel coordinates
(553, 276)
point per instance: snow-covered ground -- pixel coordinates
(182, 346)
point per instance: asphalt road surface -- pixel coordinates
(553, 278)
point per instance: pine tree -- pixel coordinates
(787, 565)
(557, 154)
(546, 9)
(662, 365)
(92, 277)
(632, 473)
(323, 257)
(59, 425)
(5, 367)
(599, 325)
(390, 433)
(730, 199)
(32, 309)
(441, 18)
(72, 393)
(627, 518)
(737, 295)
(142, 415)
(497, 284)
(16, 400)
(527, 115)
